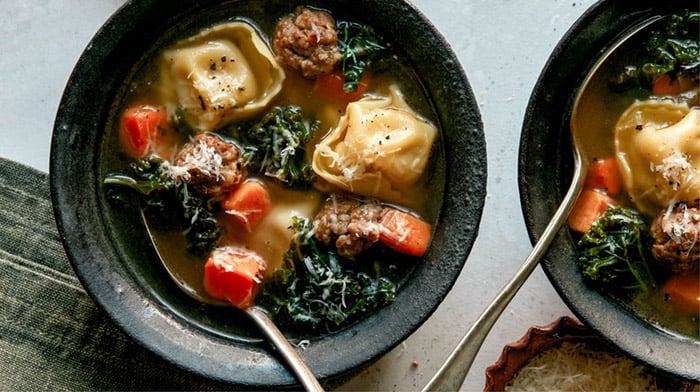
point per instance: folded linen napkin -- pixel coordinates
(52, 335)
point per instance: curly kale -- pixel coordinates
(673, 49)
(613, 254)
(151, 183)
(149, 186)
(201, 228)
(360, 47)
(314, 290)
(276, 145)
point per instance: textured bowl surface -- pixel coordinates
(545, 172)
(119, 269)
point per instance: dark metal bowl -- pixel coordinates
(545, 172)
(117, 265)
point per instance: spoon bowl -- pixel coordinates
(256, 314)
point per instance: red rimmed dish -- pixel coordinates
(538, 340)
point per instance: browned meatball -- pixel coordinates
(210, 165)
(677, 238)
(352, 225)
(307, 41)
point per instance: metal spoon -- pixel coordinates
(258, 315)
(451, 374)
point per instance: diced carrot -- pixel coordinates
(330, 86)
(248, 203)
(141, 129)
(683, 292)
(404, 232)
(604, 176)
(234, 274)
(664, 85)
(589, 206)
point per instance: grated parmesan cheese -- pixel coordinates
(226, 258)
(675, 228)
(575, 366)
(203, 158)
(304, 344)
(399, 231)
(350, 163)
(673, 168)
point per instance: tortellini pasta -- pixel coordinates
(658, 152)
(223, 74)
(379, 148)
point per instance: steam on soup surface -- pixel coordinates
(639, 213)
(286, 166)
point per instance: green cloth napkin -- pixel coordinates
(52, 335)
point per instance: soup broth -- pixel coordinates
(270, 238)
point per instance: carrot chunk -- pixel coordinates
(589, 206)
(234, 274)
(604, 176)
(664, 85)
(248, 204)
(404, 232)
(141, 129)
(330, 86)
(683, 291)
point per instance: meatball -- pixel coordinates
(210, 165)
(352, 225)
(307, 41)
(676, 236)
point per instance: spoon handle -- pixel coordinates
(451, 374)
(274, 335)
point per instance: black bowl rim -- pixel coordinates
(74, 182)
(541, 191)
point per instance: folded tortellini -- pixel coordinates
(379, 148)
(223, 74)
(658, 152)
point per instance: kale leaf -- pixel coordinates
(151, 183)
(360, 47)
(201, 228)
(613, 254)
(673, 49)
(276, 145)
(149, 186)
(315, 291)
